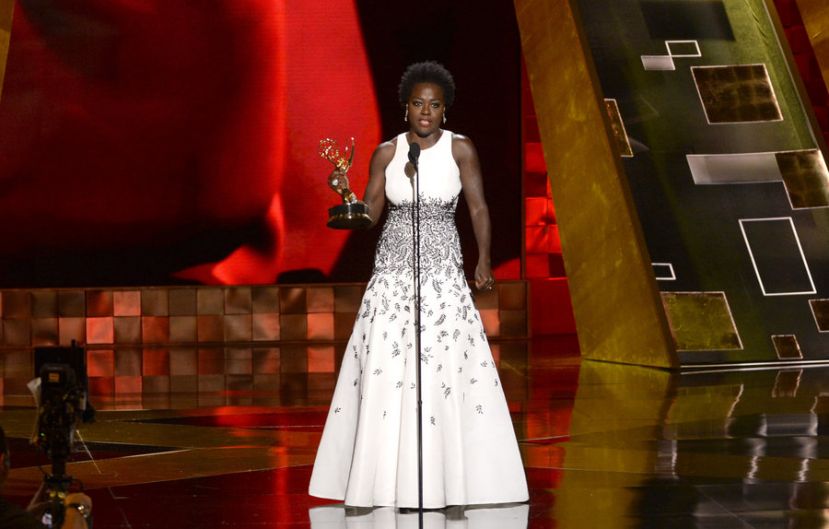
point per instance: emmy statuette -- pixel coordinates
(352, 214)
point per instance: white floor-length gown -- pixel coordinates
(368, 452)
(332, 517)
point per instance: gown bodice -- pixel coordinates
(439, 173)
(440, 186)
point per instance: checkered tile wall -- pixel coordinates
(195, 339)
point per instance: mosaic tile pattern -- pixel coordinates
(806, 178)
(127, 372)
(197, 338)
(737, 93)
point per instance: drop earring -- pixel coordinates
(444, 119)
(406, 117)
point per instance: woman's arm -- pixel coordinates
(375, 195)
(473, 191)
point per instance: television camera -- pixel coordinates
(62, 404)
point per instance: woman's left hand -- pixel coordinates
(483, 276)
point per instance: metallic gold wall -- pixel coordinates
(617, 411)
(6, 10)
(616, 303)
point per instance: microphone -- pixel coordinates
(414, 153)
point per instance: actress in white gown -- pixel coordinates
(368, 452)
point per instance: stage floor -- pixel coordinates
(605, 446)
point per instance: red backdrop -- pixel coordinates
(155, 141)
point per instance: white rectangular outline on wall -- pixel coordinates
(705, 110)
(799, 247)
(727, 306)
(670, 267)
(622, 122)
(812, 307)
(683, 55)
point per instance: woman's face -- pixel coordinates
(426, 108)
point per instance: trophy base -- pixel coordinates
(350, 216)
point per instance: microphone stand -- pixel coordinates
(414, 154)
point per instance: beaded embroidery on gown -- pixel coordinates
(368, 452)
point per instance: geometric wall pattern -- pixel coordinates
(736, 94)
(803, 173)
(777, 256)
(786, 347)
(701, 321)
(820, 310)
(202, 338)
(226, 373)
(729, 183)
(616, 304)
(212, 315)
(806, 178)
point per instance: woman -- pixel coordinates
(368, 452)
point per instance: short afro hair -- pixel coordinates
(426, 72)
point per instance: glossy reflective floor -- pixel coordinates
(605, 446)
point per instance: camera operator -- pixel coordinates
(78, 506)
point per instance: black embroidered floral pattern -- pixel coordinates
(440, 250)
(453, 342)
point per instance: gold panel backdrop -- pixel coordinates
(6, 10)
(616, 303)
(815, 15)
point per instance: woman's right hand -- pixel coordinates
(338, 181)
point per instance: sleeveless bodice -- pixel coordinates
(439, 174)
(440, 186)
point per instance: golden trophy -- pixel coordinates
(352, 214)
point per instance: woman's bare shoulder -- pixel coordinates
(385, 151)
(462, 146)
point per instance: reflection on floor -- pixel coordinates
(605, 446)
